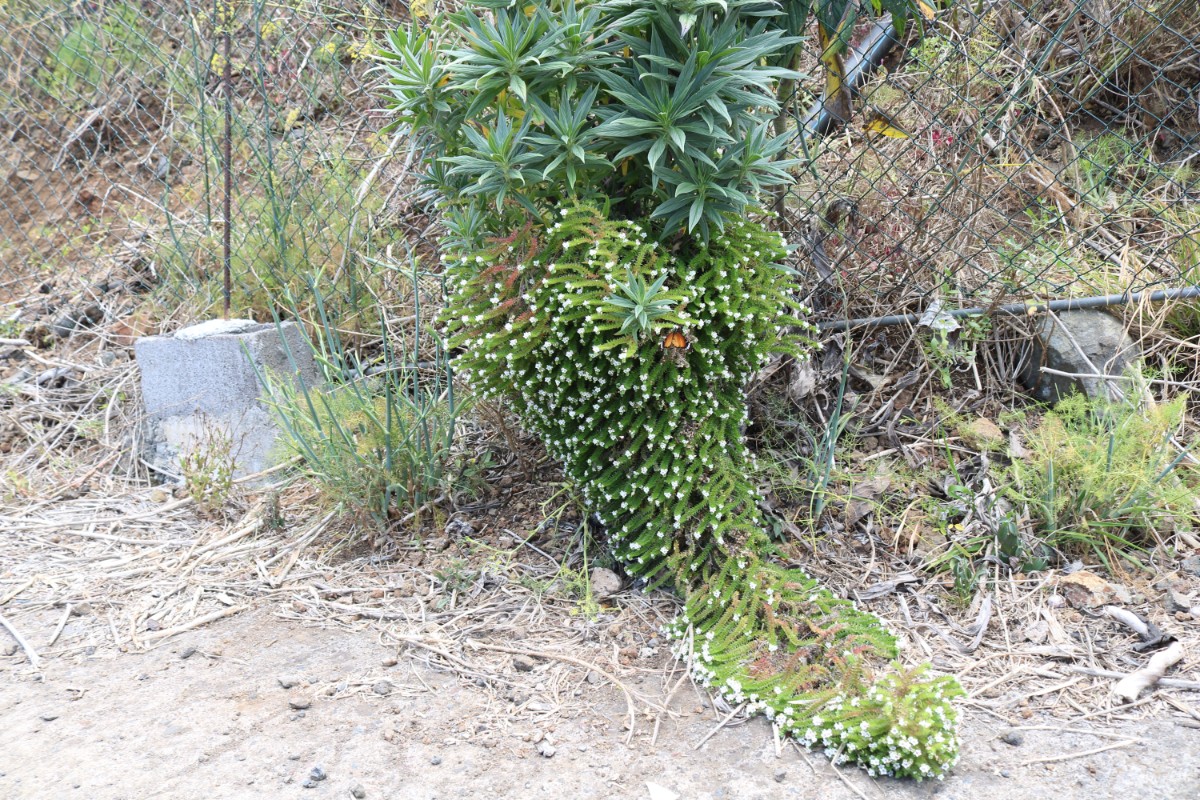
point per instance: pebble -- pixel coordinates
(1005, 773)
(435, 760)
(309, 784)
(294, 757)
(317, 774)
(604, 583)
(188, 653)
(382, 688)
(1175, 601)
(49, 717)
(288, 681)
(358, 792)
(299, 702)
(523, 663)
(781, 776)
(389, 662)
(546, 749)
(1015, 738)
(593, 678)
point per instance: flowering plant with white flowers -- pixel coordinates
(597, 163)
(648, 420)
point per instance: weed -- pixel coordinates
(377, 437)
(951, 347)
(1103, 477)
(207, 468)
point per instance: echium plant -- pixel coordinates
(572, 163)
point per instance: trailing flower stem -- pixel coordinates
(645, 411)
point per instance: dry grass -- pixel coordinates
(88, 541)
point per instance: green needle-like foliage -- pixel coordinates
(652, 434)
(595, 164)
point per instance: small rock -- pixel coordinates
(546, 749)
(49, 717)
(1084, 589)
(593, 678)
(1121, 593)
(1014, 738)
(780, 776)
(188, 653)
(294, 757)
(358, 792)
(389, 662)
(982, 434)
(459, 529)
(1174, 601)
(159, 495)
(435, 760)
(657, 792)
(64, 325)
(1005, 773)
(1191, 564)
(309, 784)
(153, 625)
(317, 774)
(523, 663)
(382, 688)
(605, 583)
(299, 702)
(288, 681)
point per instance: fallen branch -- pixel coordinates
(1128, 619)
(196, 623)
(1081, 754)
(24, 645)
(719, 726)
(1132, 685)
(1166, 683)
(62, 623)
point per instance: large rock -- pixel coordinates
(1083, 343)
(202, 392)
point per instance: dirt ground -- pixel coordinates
(205, 716)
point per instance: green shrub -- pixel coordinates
(376, 437)
(95, 51)
(1103, 476)
(626, 104)
(299, 225)
(596, 165)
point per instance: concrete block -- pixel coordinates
(201, 391)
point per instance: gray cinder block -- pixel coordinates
(201, 390)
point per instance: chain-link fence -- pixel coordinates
(1006, 150)
(113, 118)
(1003, 150)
